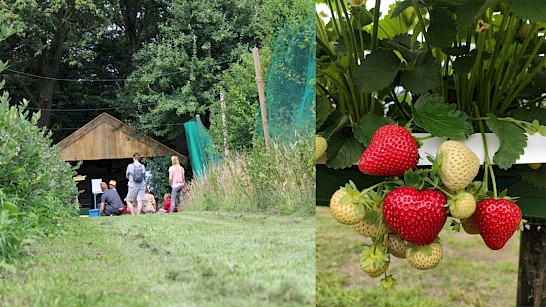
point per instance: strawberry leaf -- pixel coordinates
(512, 141)
(534, 10)
(440, 119)
(377, 71)
(388, 282)
(422, 75)
(343, 151)
(367, 126)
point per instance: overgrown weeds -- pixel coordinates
(279, 181)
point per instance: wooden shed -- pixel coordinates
(106, 146)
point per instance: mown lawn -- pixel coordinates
(186, 259)
(470, 274)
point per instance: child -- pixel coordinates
(167, 204)
(149, 202)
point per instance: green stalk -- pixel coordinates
(349, 28)
(334, 22)
(504, 57)
(496, 51)
(422, 22)
(476, 69)
(487, 160)
(375, 24)
(436, 186)
(523, 78)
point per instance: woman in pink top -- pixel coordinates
(177, 182)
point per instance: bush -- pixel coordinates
(37, 190)
(280, 181)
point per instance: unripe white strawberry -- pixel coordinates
(469, 225)
(320, 146)
(367, 229)
(458, 165)
(534, 165)
(424, 257)
(396, 246)
(345, 205)
(463, 206)
(373, 273)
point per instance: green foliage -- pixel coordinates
(159, 169)
(377, 71)
(33, 179)
(534, 10)
(37, 191)
(177, 73)
(512, 141)
(469, 53)
(238, 83)
(345, 149)
(367, 126)
(440, 119)
(280, 181)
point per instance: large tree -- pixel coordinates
(63, 41)
(175, 75)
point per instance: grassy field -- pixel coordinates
(470, 274)
(185, 259)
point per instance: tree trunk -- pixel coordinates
(49, 63)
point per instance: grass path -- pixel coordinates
(189, 259)
(470, 274)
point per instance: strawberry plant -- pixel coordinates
(446, 68)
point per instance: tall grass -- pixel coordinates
(279, 181)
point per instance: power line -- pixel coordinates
(76, 128)
(94, 109)
(101, 80)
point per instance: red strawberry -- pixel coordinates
(416, 216)
(391, 152)
(497, 220)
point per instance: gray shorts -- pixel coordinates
(135, 194)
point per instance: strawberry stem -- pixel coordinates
(436, 186)
(365, 191)
(487, 161)
(425, 137)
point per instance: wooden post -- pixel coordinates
(261, 95)
(532, 266)
(224, 127)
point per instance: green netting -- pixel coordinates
(290, 90)
(199, 145)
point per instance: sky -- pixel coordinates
(369, 5)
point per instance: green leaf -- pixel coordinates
(533, 10)
(463, 65)
(343, 151)
(512, 141)
(440, 119)
(403, 44)
(367, 126)
(10, 207)
(424, 76)
(467, 12)
(402, 6)
(442, 30)
(377, 71)
(324, 109)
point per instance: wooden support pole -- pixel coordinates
(224, 126)
(532, 266)
(261, 95)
